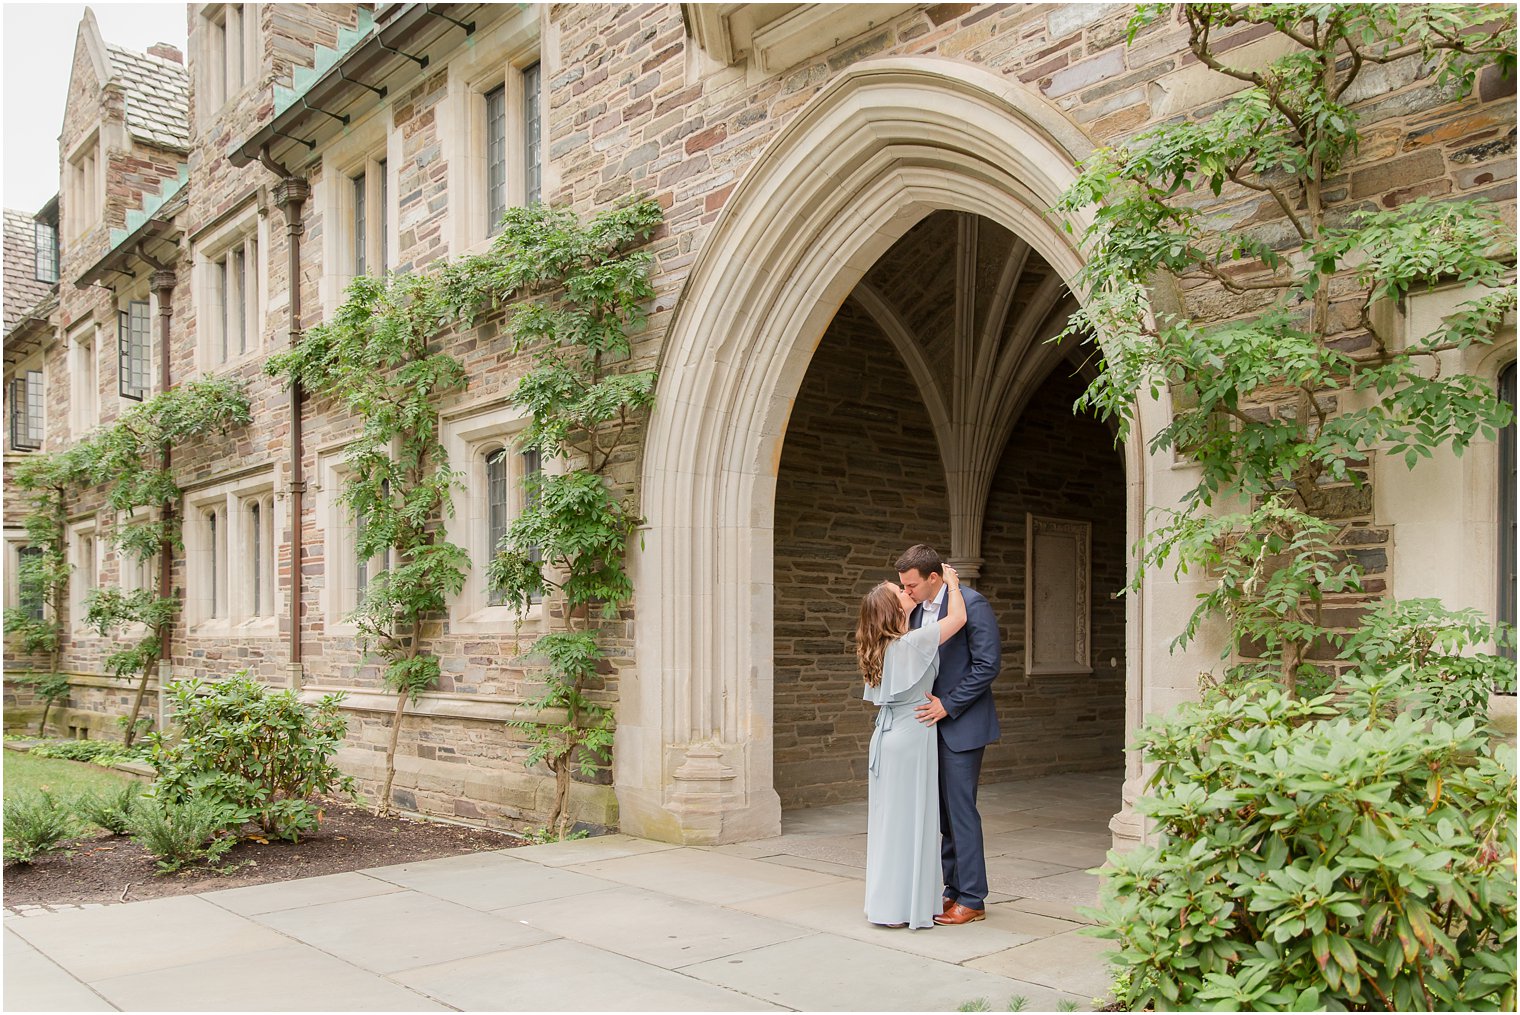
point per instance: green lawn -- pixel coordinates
(64, 779)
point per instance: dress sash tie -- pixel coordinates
(883, 725)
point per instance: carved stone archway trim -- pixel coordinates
(886, 144)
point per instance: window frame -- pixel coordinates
(497, 60)
(17, 549)
(247, 238)
(132, 574)
(45, 270)
(84, 184)
(339, 594)
(134, 351)
(472, 436)
(26, 401)
(216, 80)
(85, 558)
(84, 377)
(364, 153)
(220, 567)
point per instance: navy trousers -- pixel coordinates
(960, 827)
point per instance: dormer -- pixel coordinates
(125, 130)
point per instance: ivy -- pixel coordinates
(585, 287)
(126, 459)
(572, 292)
(1333, 826)
(1268, 402)
(378, 358)
(48, 481)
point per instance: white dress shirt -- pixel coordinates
(935, 608)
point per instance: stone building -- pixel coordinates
(855, 281)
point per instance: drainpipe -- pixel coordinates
(290, 194)
(162, 282)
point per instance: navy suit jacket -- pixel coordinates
(968, 663)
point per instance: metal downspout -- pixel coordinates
(163, 282)
(290, 194)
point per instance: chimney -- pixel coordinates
(164, 51)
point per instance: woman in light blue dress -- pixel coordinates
(902, 833)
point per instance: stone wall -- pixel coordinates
(861, 480)
(1057, 465)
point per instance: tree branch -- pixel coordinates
(1243, 287)
(1277, 195)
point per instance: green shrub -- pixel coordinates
(181, 832)
(257, 756)
(99, 752)
(113, 810)
(1319, 855)
(35, 824)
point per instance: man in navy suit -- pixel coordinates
(962, 710)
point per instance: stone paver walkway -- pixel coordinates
(607, 924)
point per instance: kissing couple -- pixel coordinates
(928, 650)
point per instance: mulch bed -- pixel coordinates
(110, 869)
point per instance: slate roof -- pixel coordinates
(158, 97)
(22, 290)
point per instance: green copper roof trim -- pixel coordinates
(323, 59)
(138, 217)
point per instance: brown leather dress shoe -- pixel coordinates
(947, 904)
(959, 914)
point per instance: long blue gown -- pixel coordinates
(902, 833)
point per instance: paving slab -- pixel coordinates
(1075, 887)
(705, 876)
(33, 982)
(302, 892)
(1072, 962)
(827, 972)
(1065, 855)
(574, 851)
(488, 881)
(569, 976)
(402, 930)
(842, 849)
(653, 927)
(1005, 869)
(294, 977)
(838, 909)
(1056, 910)
(839, 870)
(162, 933)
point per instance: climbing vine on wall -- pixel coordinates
(380, 359)
(1352, 850)
(1302, 383)
(127, 459)
(584, 287)
(48, 482)
(573, 292)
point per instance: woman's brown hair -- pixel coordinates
(881, 623)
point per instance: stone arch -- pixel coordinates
(884, 145)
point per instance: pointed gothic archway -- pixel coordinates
(885, 145)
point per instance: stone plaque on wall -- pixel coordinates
(1058, 596)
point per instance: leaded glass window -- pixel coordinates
(134, 343)
(533, 137)
(496, 158)
(47, 252)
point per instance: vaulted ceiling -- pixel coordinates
(971, 308)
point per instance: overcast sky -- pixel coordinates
(38, 53)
